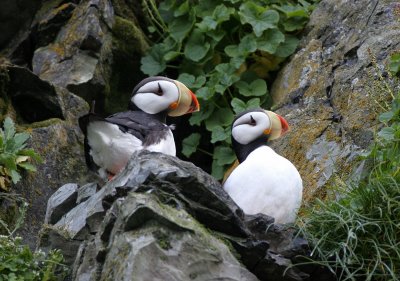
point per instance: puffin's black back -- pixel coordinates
(83, 123)
(147, 128)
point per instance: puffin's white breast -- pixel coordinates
(111, 148)
(266, 183)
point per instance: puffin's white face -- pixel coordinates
(254, 124)
(250, 126)
(156, 96)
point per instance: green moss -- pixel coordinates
(41, 124)
(128, 38)
(129, 44)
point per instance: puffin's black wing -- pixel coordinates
(83, 123)
(140, 124)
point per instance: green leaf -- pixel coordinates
(217, 171)
(293, 24)
(387, 133)
(27, 166)
(238, 105)
(258, 17)
(15, 176)
(394, 63)
(8, 160)
(270, 40)
(9, 129)
(31, 153)
(19, 141)
(204, 93)
(180, 28)
(171, 55)
(220, 134)
(232, 50)
(386, 116)
(288, 47)
(256, 88)
(222, 13)
(191, 81)
(189, 144)
(291, 11)
(216, 35)
(198, 117)
(221, 117)
(153, 63)
(248, 45)
(253, 103)
(207, 24)
(182, 9)
(196, 48)
(224, 155)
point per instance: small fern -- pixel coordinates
(14, 156)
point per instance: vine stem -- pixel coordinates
(204, 151)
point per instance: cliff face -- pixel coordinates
(58, 55)
(328, 89)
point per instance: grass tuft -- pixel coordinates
(358, 236)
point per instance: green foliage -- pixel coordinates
(358, 236)
(394, 63)
(17, 261)
(13, 154)
(218, 48)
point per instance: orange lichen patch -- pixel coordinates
(303, 68)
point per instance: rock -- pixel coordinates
(152, 211)
(153, 241)
(50, 115)
(10, 24)
(75, 60)
(327, 92)
(62, 200)
(33, 99)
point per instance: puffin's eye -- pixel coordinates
(159, 90)
(252, 121)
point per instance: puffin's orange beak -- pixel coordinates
(187, 102)
(279, 125)
(284, 125)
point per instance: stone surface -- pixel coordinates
(75, 59)
(152, 212)
(327, 90)
(50, 115)
(62, 200)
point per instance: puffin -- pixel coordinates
(263, 181)
(110, 142)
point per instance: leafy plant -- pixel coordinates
(17, 261)
(13, 154)
(358, 236)
(394, 63)
(224, 50)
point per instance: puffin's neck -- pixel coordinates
(243, 150)
(161, 116)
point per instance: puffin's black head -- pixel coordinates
(254, 128)
(159, 94)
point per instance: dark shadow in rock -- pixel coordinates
(34, 99)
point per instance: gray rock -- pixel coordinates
(327, 90)
(50, 115)
(158, 195)
(85, 192)
(63, 200)
(76, 59)
(153, 241)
